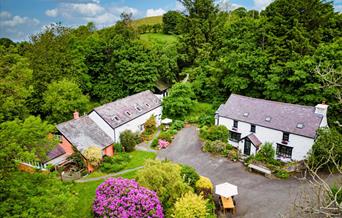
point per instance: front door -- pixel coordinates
(247, 147)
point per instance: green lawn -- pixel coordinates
(137, 159)
(151, 39)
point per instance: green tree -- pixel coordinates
(189, 175)
(54, 54)
(179, 102)
(172, 22)
(165, 179)
(61, 99)
(326, 149)
(15, 88)
(26, 140)
(36, 195)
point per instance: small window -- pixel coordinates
(286, 136)
(128, 113)
(138, 108)
(253, 128)
(147, 105)
(300, 125)
(246, 114)
(268, 119)
(116, 118)
(235, 124)
(284, 151)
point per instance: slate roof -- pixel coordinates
(116, 113)
(83, 133)
(56, 152)
(283, 116)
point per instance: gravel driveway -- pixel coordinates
(258, 197)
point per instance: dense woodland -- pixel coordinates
(289, 52)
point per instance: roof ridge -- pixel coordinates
(120, 99)
(272, 101)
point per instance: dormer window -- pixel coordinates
(138, 108)
(268, 119)
(300, 125)
(116, 118)
(147, 105)
(128, 113)
(246, 114)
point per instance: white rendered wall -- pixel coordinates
(102, 124)
(301, 145)
(134, 125)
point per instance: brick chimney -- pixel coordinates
(76, 115)
(322, 109)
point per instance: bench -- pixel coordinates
(263, 170)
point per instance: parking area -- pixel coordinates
(258, 196)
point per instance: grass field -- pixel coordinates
(151, 39)
(148, 21)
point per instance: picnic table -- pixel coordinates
(228, 203)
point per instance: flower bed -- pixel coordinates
(118, 197)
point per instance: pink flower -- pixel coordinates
(118, 197)
(163, 143)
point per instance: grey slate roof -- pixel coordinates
(284, 117)
(146, 101)
(83, 133)
(56, 152)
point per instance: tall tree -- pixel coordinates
(61, 99)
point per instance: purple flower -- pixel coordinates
(118, 197)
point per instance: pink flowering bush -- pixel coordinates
(163, 143)
(118, 197)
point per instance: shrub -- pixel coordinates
(233, 154)
(150, 125)
(154, 143)
(189, 175)
(128, 140)
(328, 144)
(167, 136)
(115, 164)
(214, 146)
(204, 186)
(214, 133)
(190, 205)
(165, 179)
(118, 148)
(266, 153)
(93, 155)
(177, 125)
(282, 174)
(118, 197)
(206, 120)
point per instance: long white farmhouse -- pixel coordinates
(290, 128)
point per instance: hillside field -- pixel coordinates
(148, 21)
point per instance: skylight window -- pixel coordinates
(300, 125)
(268, 119)
(246, 114)
(147, 105)
(116, 118)
(138, 108)
(128, 113)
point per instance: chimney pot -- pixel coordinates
(76, 115)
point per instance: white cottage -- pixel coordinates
(290, 128)
(129, 113)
